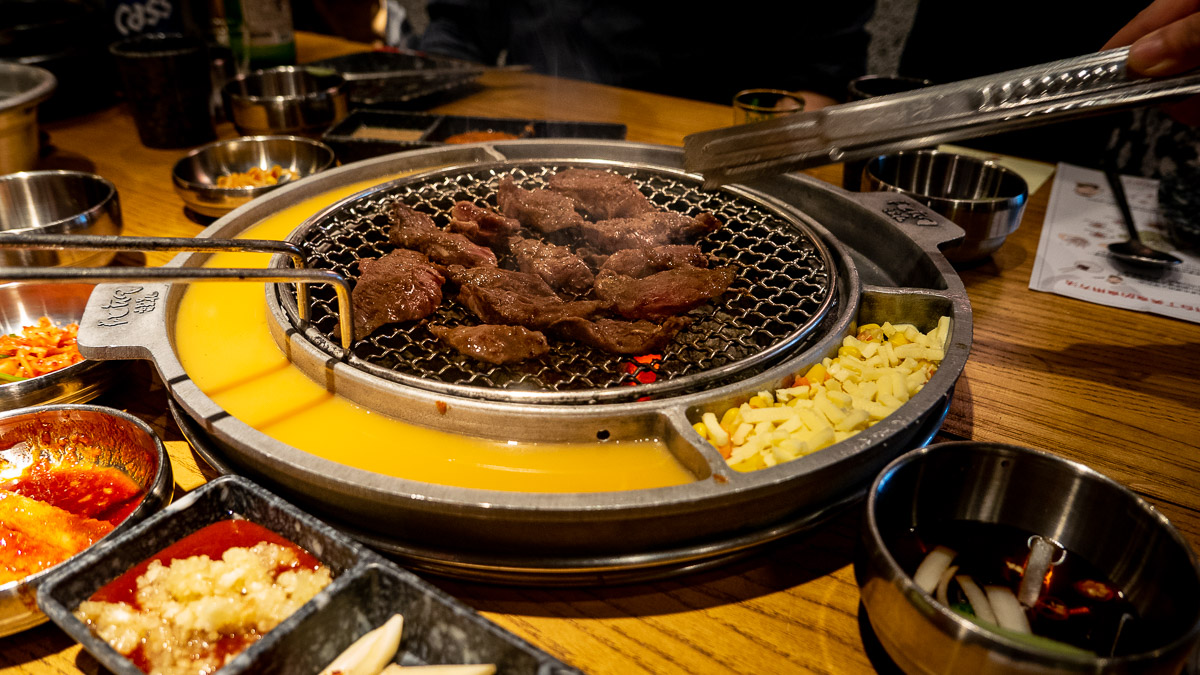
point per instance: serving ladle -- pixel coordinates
(1132, 251)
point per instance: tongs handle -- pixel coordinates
(300, 276)
(1050, 92)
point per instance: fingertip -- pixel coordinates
(1149, 55)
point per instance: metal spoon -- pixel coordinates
(1133, 251)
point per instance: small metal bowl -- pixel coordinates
(1089, 514)
(285, 100)
(22, 305)
(983, 198)
(117, 440)
(195, 176)
(58, 202)
(22, 88)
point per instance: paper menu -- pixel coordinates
(1072, 257)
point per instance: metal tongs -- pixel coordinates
(1050, 92)
(298, 274)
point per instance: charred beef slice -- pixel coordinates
(413, 229)
(642, 262)
(662, 294)
(653, 228)
(501, 296)
(544, 211)
(601, 195)
(556, 265)
(621, 337)
(482, 226)
(494, 344)
(400, 286)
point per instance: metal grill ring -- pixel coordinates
(784, 287)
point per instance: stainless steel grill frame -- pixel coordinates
(784, 288)
(885, 247)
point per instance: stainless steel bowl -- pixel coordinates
(983, 198)
(1089, 514)
(58, 202)
(22, 305)
(195, 176)
(22, 88)
(116, 439)
(286, 100)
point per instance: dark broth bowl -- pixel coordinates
(1091, 515)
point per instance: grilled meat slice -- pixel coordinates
(662, 294)
(621, 337)
(642, 262)
(544, 211)
(556, 265)
(415, 230)
(601, 194)
(501, 296)
(482, 226)
(494, 344)
(400, 286)
(653, 228)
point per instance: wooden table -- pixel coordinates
(1114, 389)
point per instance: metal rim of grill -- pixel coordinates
(783, 289)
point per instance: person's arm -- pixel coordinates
(1163, 40)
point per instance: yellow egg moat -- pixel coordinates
(224, 343)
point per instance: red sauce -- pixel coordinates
(103, 493)
(212, 541)
(53, 511)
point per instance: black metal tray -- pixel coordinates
(415, 91)
(409, 130)
(366, 590)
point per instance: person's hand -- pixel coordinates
(1164, 39)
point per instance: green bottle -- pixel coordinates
(260, 33)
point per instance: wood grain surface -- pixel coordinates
(1114, 389)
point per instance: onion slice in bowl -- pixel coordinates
(1009, 613)
(933, 567)
(977, 598)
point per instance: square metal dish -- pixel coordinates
(365, 590)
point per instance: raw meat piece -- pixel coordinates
(601, 194)
(415, 230)
(400, 286)
(662, 294)
(642, 262)
(494, 344)
(653, 228)
(503, 296)
(482, 226)
(543, 211)
(556, 265)
(621, 337)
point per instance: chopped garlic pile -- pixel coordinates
(874, 373)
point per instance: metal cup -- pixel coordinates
(756, 105)
(983, 198)
(870, 86)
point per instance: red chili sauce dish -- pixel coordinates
(201, 601)
(51, 511)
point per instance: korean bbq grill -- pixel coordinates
(783, 289)
(812, 262)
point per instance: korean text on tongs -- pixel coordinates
(1050, 92)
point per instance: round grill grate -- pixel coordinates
(783, 288)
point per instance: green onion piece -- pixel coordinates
(12, 378)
